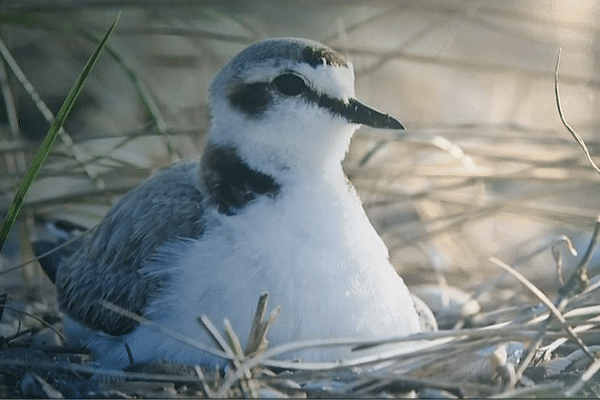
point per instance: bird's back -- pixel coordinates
(106, 266)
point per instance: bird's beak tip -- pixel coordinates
(360, 114)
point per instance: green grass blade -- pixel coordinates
(50, 138)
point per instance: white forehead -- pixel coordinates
(325, 70)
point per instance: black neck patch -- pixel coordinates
(316, 56)
(229, 183)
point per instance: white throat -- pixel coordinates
(312, 145)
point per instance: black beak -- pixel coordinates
(358, 113)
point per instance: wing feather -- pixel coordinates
(107, 266)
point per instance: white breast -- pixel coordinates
(315, 252)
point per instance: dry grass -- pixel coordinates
(486, 192)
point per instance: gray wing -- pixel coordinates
(167, 206)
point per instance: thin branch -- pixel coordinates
(586, 376)
(562, 117)
(207, 390)
(34, 317)
(557, 254)
(143, 91)
(164, 330)
(553, 312)
(532, 288)
(579, 279)
(58, 247)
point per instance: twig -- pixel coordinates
(532, 288)
(586, 376)
(255, 336)
(129, 353)
(207, 390)
(579, 279)
(554, 312)
(257, 340)
(556, 253)
(58, 247)
(15, 162)
(233, 340)
(164, 330)
(375, 149)
(34, 317)
(217, 337)
(562, 117)
(144, 93)
(241, 372)
(248, 385)
(233, 347)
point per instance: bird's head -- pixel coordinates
(288, 103)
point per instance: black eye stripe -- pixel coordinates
(251, 98)
(254, 98)
(335, 106)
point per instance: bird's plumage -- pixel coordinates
(106, 266)
(268, 208)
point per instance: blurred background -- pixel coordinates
(485, 168)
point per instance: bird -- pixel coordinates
(266, 208)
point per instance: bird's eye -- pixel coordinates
(290, 84)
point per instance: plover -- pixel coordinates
(266, 209)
